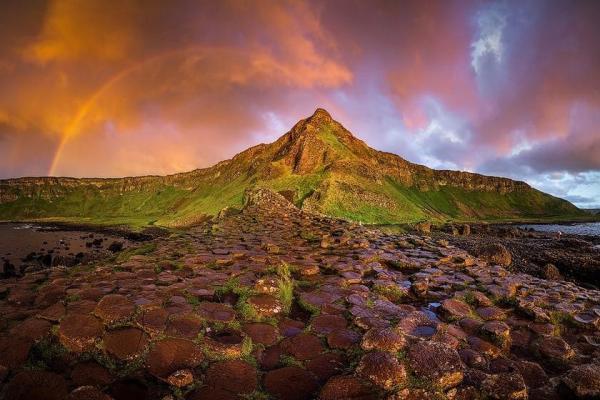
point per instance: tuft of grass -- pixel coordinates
(286, 287)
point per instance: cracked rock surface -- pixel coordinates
(274, 302)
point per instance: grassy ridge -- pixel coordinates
(341, 176)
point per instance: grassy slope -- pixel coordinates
(342, 194)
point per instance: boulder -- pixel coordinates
(494, 253)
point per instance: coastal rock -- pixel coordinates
(495, 253)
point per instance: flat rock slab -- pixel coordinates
(437, 362)
(216, 312)
(291, 383)
(126, 343)
(325, 324)
(36, 385)
(347, 387)
(79, 332)
(233, 376)
(90, 373)
(262, 333)
(169, 355)
(381, 368)
(114, 308)
(303, 346)
(384, 339)
(14, 351)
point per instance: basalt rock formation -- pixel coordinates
(275, 302)
(318, 164)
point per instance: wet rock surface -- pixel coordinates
(273, 302)
(543, 254)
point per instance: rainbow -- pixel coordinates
(74, 126)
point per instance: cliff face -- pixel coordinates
(318, 163)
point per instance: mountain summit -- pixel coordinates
(318, 165)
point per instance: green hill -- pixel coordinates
(318, 165)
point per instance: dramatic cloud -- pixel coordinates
(137, 87)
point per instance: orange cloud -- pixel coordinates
(90, 30)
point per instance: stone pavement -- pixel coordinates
(276, 303)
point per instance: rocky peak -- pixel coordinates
(319, 117)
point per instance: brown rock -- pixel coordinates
(553, 349)
(583, 382)
(261, 333)
(154, 320)
(438, 362)
(170, 355)
(32, 328)
(551, 273)
(114, 308)
(491, 313)
(325, 324)
(291, 383)
(347, 387)
(303, 346)
(126, 343)
(495, 253)
(505, 386)
(455, 309)
(532, 373)
(208, 393)
(326, 365)
(181, 378)
(498, 331)
(36, 385)
(382, 369)
(234, 376)
(14, 351)
(88, 393)
(90, 373)
(343, 339)
(79, 333)
(384, 339)
(265, 305)
(186, 326)
(216, 312)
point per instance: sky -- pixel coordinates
(104, 88)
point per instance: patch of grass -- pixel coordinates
(391, 292)
(71, 298)
(469, 298)
(191, 299)
(246, 311)
(257, 395)
(44, 352)
(289, 361)
(286, 287)
(561, 320)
